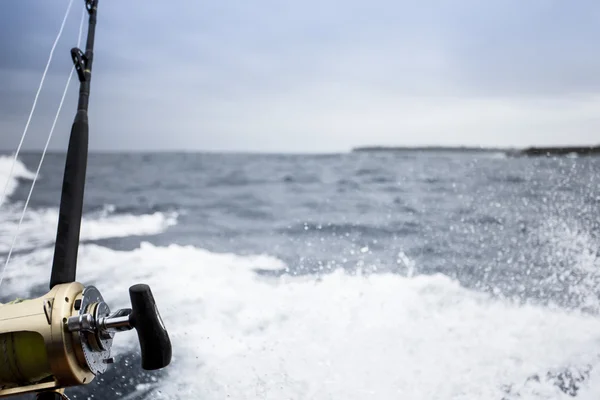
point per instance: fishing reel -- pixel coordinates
(64, 338)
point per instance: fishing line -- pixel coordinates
(37, 172)
(12, 167)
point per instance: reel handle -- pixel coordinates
(154, 340)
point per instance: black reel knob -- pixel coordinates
(154, 340)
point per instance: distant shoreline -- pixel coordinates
(561, 151)
(528, 152)
(458, 149)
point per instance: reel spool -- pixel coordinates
(64, 338)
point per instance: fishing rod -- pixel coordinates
(64, 338)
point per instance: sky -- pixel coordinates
(309, 76)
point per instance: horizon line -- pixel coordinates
(364, 148)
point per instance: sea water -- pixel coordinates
(408, 275)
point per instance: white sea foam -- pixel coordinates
(39, 226)
(573, 258)
(20, 171)
(238, 335)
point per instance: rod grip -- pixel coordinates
(64, 264)
(154, 340)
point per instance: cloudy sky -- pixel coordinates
(315, 75)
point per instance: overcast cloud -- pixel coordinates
(316, 75)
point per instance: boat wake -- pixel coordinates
(338, 336)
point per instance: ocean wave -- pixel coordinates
(39, 226)
(237, 334)
(507, 178)
(20, 171)
(573, 257)
(347, 229)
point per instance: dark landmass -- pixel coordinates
(561, 151)
(458, 149)
(527, 152)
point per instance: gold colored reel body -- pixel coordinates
(37, 352)
(64, 338)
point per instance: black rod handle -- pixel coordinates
(64, 265)
(152, 334)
